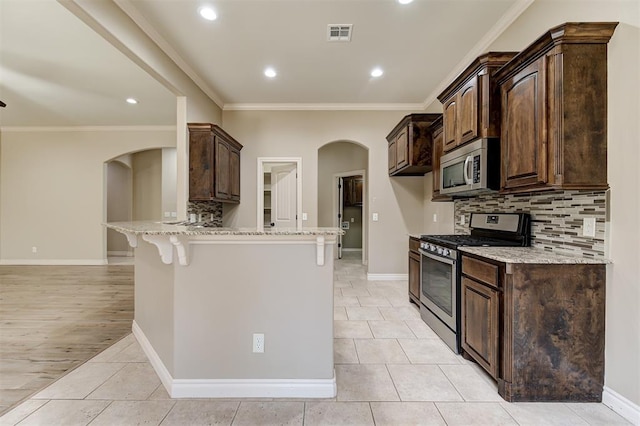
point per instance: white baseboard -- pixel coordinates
(61, 262)
(621, 405)
(234, 388)
(387, 277)
(154, 358)
(120, 253)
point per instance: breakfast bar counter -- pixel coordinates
(202, 294)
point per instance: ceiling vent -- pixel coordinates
(339, 32)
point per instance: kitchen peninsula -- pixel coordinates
(203, 294)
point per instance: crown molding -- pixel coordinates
(18, 129)
(324, 107)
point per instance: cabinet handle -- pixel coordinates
(467, 178)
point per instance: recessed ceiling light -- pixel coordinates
(404, 1)
(208, 13)
(377, 72)
(132, 101)
(270, 72)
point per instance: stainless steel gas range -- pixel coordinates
(440, 267)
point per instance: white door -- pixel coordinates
(283, 196)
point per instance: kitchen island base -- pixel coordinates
(196, 313)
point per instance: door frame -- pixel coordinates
(260, 188)
(336, 206)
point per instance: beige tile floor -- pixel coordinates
(391, 369)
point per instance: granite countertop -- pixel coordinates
(529, 255)
(171, 228)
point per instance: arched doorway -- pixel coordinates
(342, 193)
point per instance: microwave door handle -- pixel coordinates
(467, 178)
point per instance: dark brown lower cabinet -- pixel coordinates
(480, 310)
(538, 329)
(414, 271)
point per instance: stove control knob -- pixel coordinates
(440, 250)
(446, 252)
(433, 248)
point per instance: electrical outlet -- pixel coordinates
(174, 214)
(435, 217)
(304, 216)
(353, 219)
(462, 220)
(167, 214)
(589, 227)
(375, 217)
(258, 343)
(34, 249)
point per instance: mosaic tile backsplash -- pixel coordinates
(211, 211)
(556, 218)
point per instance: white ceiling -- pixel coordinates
(54, 70)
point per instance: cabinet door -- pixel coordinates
(414, 275)
(468, 111)
(358, 191)
(402, 148)
(480, 326)
(450, 118)
(234, 174)
(200, 162)
(391, 156)
(222, 172)
(524, 128)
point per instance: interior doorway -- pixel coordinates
(279, 198)
(349, 208)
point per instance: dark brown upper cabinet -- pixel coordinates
(437, 133)
(214, 164)
(410, 146)
(471, 103)
(554, 111)
(352, 191)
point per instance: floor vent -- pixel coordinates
(339, 32)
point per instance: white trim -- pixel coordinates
(48, 129)
(365, 215)
(387, 277)
(324, 107)
(351, 249)
(234, 388)
(621, 405)
(61, 262)
(260, 188)
(152, 355)
(481, 47)
(254, 388)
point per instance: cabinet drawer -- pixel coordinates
(481, 271)
(414, 244)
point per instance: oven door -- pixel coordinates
(438, 287)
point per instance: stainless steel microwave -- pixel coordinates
(471, 169)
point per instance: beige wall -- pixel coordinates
(119, 205)
(398, 201)
(147, 185)
(53, 185)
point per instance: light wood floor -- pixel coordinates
(54, 318)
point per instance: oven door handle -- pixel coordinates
(446, 260)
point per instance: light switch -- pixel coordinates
(435, 217)
(375, 217)
(304, 216)
(353, 219)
